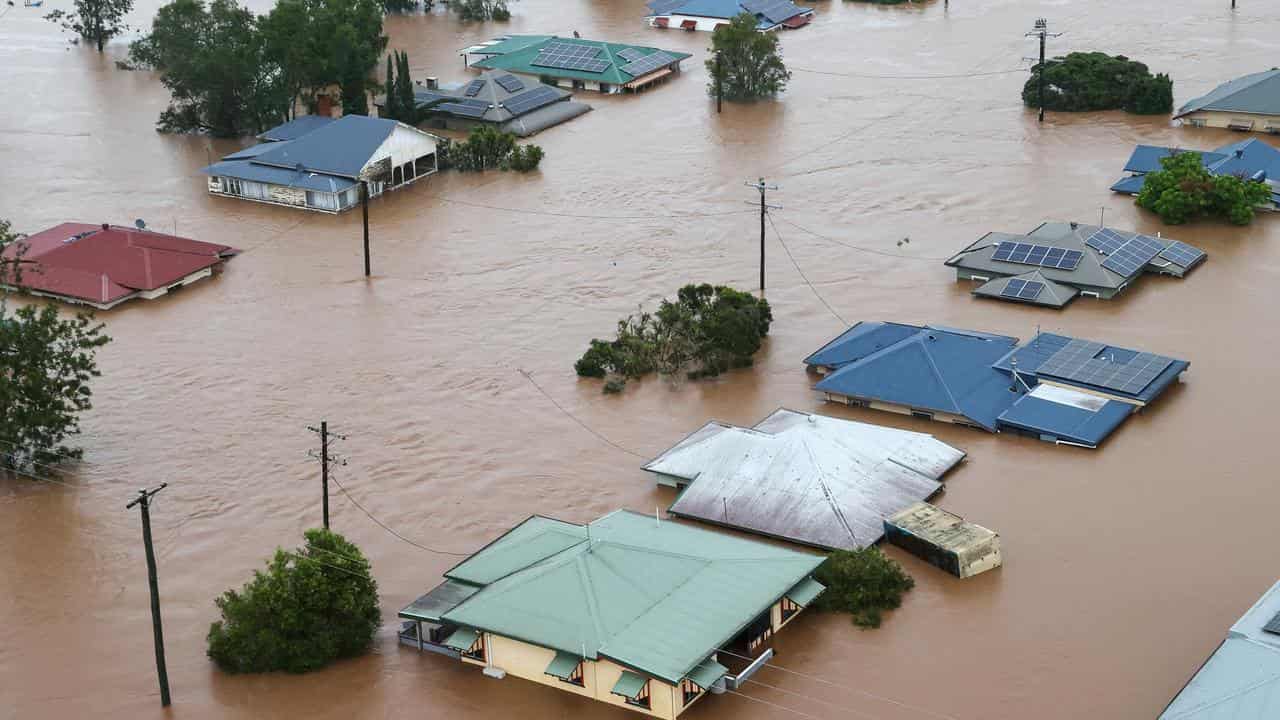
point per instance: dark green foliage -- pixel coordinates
(706, 331)
(1082, 82)
(399, 6)
(94, 20)
(311, 607)
(390, 105)
(46, 365)
(750, 65)
(404, 90)
(1184, 190)
(487, 148)
(862, 582)
(482, 9)
(525, 158)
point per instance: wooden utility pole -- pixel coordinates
(325, 458)
(720, 83)
(1041, 31)
(364, 209)
(764, 210)
(143, 501)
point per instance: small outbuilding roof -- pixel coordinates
(810, 479)
(941, 528)
(1257, 94)
(1029, 287)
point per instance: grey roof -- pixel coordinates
(442, 598)
(1258, 94)
(1054, 295)
(493, 94)
(342, 147)
(1241, 680)
(544, 117)
(811, 479)
(288, 177)
(296, 128)
(252, 151)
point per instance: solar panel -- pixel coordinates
(465, 108)
(1182, 253)
(1131, 257)
(1039, 255)
(773, 10)
(1106, 241)
(473, 87)
(630, 54)
(531, 100)
(1022, 289)
(648, 63)
(566, 61)
(510, 83)
(571, 49)
(1273, 625)
(1087, 362)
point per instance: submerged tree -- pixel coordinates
(1183, 189)
(94, 20)
(488, 148)
(750, 64)
(1087, 81)
(312, 606)
(862, 582)
(482, 9)
(46, 366)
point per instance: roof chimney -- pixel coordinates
(433, 83)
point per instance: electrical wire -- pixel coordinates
(873, 251)
(816, 294)
(776, 705)
(753, 681)
(551, 213)
(363, 576)
(588, 428)
(909, 77)
(384, 526)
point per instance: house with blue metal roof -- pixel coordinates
(1241, 679)
(1056, 388)
(1249, 103)
(629, 610)
(1250, 159)
(707, 15)
(318, 163)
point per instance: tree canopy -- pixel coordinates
(488, 148)
(47, 363)
(862, 582)
(312, 606)
(482, 9)
(94, 20)
(1183, 189)
(706, 331)
(1082, 82)
(750, 64)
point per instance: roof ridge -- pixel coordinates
(826, 491)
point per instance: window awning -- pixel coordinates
(629, 685)
(462, 639)
(660, 22)
(563, 665)
(707, 673)
(804, 592)
(689, 24)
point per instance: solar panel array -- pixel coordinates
(1079, 361)
(647, 64)
(473, 88)
(465, 108)
(1130, 258)
(531, 100)
(1273, 625)
(772, 10)
(510, 83)
(570, 62)
(1106, 241)
(571, 49)
(630, 54)
(1040, 255)
(1182, 253)
(1022, 289)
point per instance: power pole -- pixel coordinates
(325, 458)
(144, 502)
(764, 210)
(720, 82)
(364, 209)
(1042, 31)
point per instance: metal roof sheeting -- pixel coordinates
(563, 665)
(516, 53)
(271, 175)
(1248, 158)
(770, 13)
(707, 673)
(810, 479)
(442, 598)
(342, 147)
(296, 128)
(943, 529)
(629, 684)
(462, 639)
(1258, 93)
(806, 592)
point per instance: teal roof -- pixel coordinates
(517, 53)
(804, 593)
(629, 685)
(563, 665)
(707, 673)
(1258, 93)
(658, 597)
(462, 639)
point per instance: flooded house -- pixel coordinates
(1252, 159)
(944, 539)
(1248, 103)
(575, 63)
(1056, 388)
(317, 163)
(707, 15)
(1059, 261)
(628, 610)
(805, 478)
(105, 265)
(499, 99)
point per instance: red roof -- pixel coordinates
(102, 265)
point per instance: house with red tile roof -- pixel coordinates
(105, 265)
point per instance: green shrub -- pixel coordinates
(525, 158)
(1082, 82)
(862, 582)
(482, 9)
(487, 148)
(1183, 189)
(311, 607)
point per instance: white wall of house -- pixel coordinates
(405, 144)
(704, 24)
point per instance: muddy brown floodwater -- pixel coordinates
(1124, 567)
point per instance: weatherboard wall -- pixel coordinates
(1219, 119)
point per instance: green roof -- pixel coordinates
(805, 592)
(563, 664)
(656, 597)
(629, 685)
(462, 639)
(442, 598)
(707, 673)
(517, 53)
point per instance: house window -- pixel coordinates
(921, 414)
(477, 649)
(642, 698)
(759, 633)
(575, 677)
(689, 690)
(231, 186)
(789, 609)
(1196, 122)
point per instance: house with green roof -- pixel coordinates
(576, 63)
(628, 609)
(1249, 103)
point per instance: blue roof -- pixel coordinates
(247, 170)
(1146, 158)
(778, 11)
(859, 341)
(342, 147)
(1131, 185)
(1059, 421)
(296, 128)
(1041, 347)
(252, 151)
(1247, 158)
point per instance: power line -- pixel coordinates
(753, 681)
(550, 213)
(363, 576)
(384, 526)
(859, 248)
(571, 416)
(909, 77)
(816, 294)
(776, 705)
